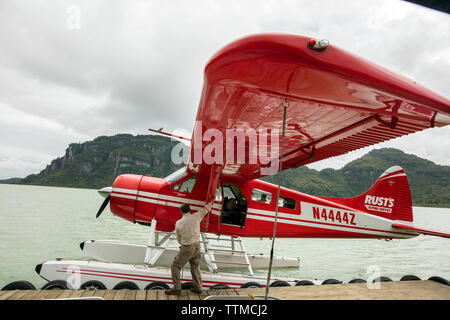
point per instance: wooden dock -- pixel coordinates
(396, 290)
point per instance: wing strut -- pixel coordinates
(285, 105)
(211, 192)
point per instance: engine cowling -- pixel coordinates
(135, 197)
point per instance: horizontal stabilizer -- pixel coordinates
(422, 231)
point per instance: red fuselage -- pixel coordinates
(248, 209)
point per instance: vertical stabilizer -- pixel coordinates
(389, 197)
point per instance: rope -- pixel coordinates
(285, 105)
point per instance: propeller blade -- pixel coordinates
(102, 207)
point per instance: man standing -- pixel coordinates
(188, 235)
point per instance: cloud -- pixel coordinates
(130, 66)
(29, 142)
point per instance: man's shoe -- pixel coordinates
(198, 291)
(173, 292)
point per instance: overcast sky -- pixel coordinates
(74, 70)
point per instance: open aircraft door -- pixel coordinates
(234, 206)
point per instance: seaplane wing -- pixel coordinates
(336, 102)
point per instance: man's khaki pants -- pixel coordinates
(192, 254)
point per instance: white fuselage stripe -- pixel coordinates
(118, 192)
(258, 214)
(320, 226)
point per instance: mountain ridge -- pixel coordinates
(92, 164)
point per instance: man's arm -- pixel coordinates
(203, 211)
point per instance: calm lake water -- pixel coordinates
(43, 223)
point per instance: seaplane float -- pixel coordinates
(270, 102)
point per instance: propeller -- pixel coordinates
(102, 207)
(104, 192)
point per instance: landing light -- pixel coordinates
(318, 45)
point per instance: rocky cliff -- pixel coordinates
(92, 164)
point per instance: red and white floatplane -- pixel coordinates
(270, 102)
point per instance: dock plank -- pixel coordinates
(184, 295)
(7, 293)
(54, 294)
(76, 293)
(234, 292)
(97, 293)
(87, 293)
(152, 294)
(207, 293)
(228, 292)
(41, 294)
(120, 294)
(141, 295)
(193, 296)
(169, 297)
(30, 294)
(2, 292)
(65, 294)
(18, 295)
(404, 290)
(109, 294)
(130, 295)
(219, 292)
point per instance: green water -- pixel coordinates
(43, 223)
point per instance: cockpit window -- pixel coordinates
(187, 185)
(177, 175)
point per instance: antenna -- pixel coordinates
(117, 166)
(168, 134)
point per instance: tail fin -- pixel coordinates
(389, 197)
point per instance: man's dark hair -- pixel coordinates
(185, 208)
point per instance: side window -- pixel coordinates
(186, 186)
(261, 196)
(218, 194)
(286, 202)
